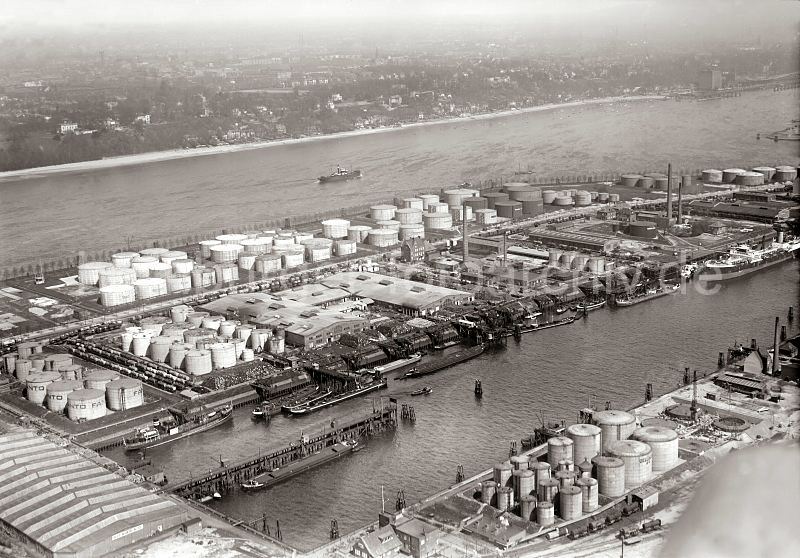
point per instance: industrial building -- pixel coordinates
(65, 505)
(762, 212)
(579, 241)
(305, 325)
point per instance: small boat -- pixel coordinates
(422, 391)
(560, 309)
(340, 175)
(257, 412)
(217, 496)
(252, 485)
(588, 307)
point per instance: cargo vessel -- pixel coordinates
(589, 306)
(162, 432)
(398, 364)
(650, 294)
(305, 401)
(333, 399)
(340, 175)
(743, 260)
(445, 362)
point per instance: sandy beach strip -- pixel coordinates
(158, 156)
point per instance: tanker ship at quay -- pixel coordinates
(744, 259)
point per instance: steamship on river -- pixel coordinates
(743, 260)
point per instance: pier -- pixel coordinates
(224, 478)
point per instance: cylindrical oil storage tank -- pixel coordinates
(408, 216)
(27, 348)
(527, 507)
(613, 198)
(140, 344)
(301, 236)
(335, 228)
(589, 493)
(566, 259)
(614, 425)
(227, 327)
(664, 444)
(766, 172)
(293, 258)
(554, 257)
(545, 514)
(565, 478)
(456, 196)
(124, 393)
(390, 224)
(57, 392)
(89, 272)
(382, 212)
(172, 255)
(657, 181)
(457, 213)
(268, 263)
(358, 233)
(502, 473)
(57, 360)
(154, 252)
(150, 287)
(223, 355)
(563, 199)
(231, 238)
(255, 246)
(486, 216)
(505, 498)
(558, 448)
(36, 385)
(610, 474)
(160, 270)
(510, 187)
(532, 207)
(638, 459)
(344, 247)
(227, 272)
(281, 242)
(195, 319)
(542, 470)
(437, 221)
(488, 492)
(205, 247)
(570, 503)
(243, 332)
(515, 482)
(97, 379)
(438, 207)
(527, 483)
(579, 262)
(493, 197)
(277, 344)
(729, 175)
(86, 404)
(259, 339)
(583, 198)
(647, 182)
(154, 324)
(317, 252)
(630, 180)
(116, 276)
(711, 176)
(226, 253)
(212, 323)
(508, 209)
(179, 282)
(114, 295)
(198, 362)
(477, 203)
(523, 194)
(547, 490)
(23, 367)
(750, 178)
(382, 237)
(566, 465)
(518, 462)
(785, 173)
(177, 354)
(159, 348)
(548, 196)
(412, 203)
(179, 313)
(428, 199)
(584, 469)
(71, 372)
(9, 362)
(586, 441)
(596, 265)
(123, 259)
(602, 197)
(203, 277)
(37, 362)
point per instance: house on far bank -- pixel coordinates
(67, 127)
(381, 543)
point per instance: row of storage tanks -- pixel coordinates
(570, 259)
(754, 177)
(60, 384)
(609, 458)
(198, 342)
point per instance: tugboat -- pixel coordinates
(340, 175)
(478, 389)
(589, 306)
(252, 485)
(422, 391)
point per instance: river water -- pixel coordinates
(55, 215)
(611, 355)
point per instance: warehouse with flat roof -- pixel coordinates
(65, 505)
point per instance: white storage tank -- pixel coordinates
(114, 295)
(570, 503)
(97, 379)
(198, 362)
(610, 474)
(36, 385)
(123, 259)
(177, 354)
(527, 483)
(116, 276)
(486, 216)
(785, 173)
(256, 245)
(259, 339)
(413, 203)
(488, 492)
(664, 444)
(58, 391)
(767, 172)
(411, 231)
(282, 242)
(195, 319)
(179, 282)
(124, 393)
(227, 327)
(223, 355)
(160, 270)
(225, 253)
(428, 199)
(638, 459)
(71, 372)
(300, 237)
(212, 323)
(344, 247)
(179, 313)
(545, 514)
(750, 178)
(205, 247)
(268, 263)
(243, 332)
(408, 216)
(456, 196)
(502, 473)
(559, 448)
(203, 277)
(548, 196)
(382, 237)
(437, 207)
(586, 441)
(159, 348)
(335, 228)
(382, 212)
(172, 255)
(729, 175)
(86, 404)
(89, 272)
(277, 343)
(614, 425)
(153, 252)
(141, 342)
(56, 361)
(231, 238)
(182, 265)
(293, 258)
(226, 272)
(589, 493)
(150, 287)
(457, 213)
(358, 233)
(437, 221)
(583, 198)
(390, 224)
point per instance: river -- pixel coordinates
(55, 215)
(612, 355)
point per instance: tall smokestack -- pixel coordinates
(669, 196)
(466, 236)
(686, 181)
(775, 349)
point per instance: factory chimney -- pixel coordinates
(466, 236)
(775, 349)
(669, 196)
(686, 180)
